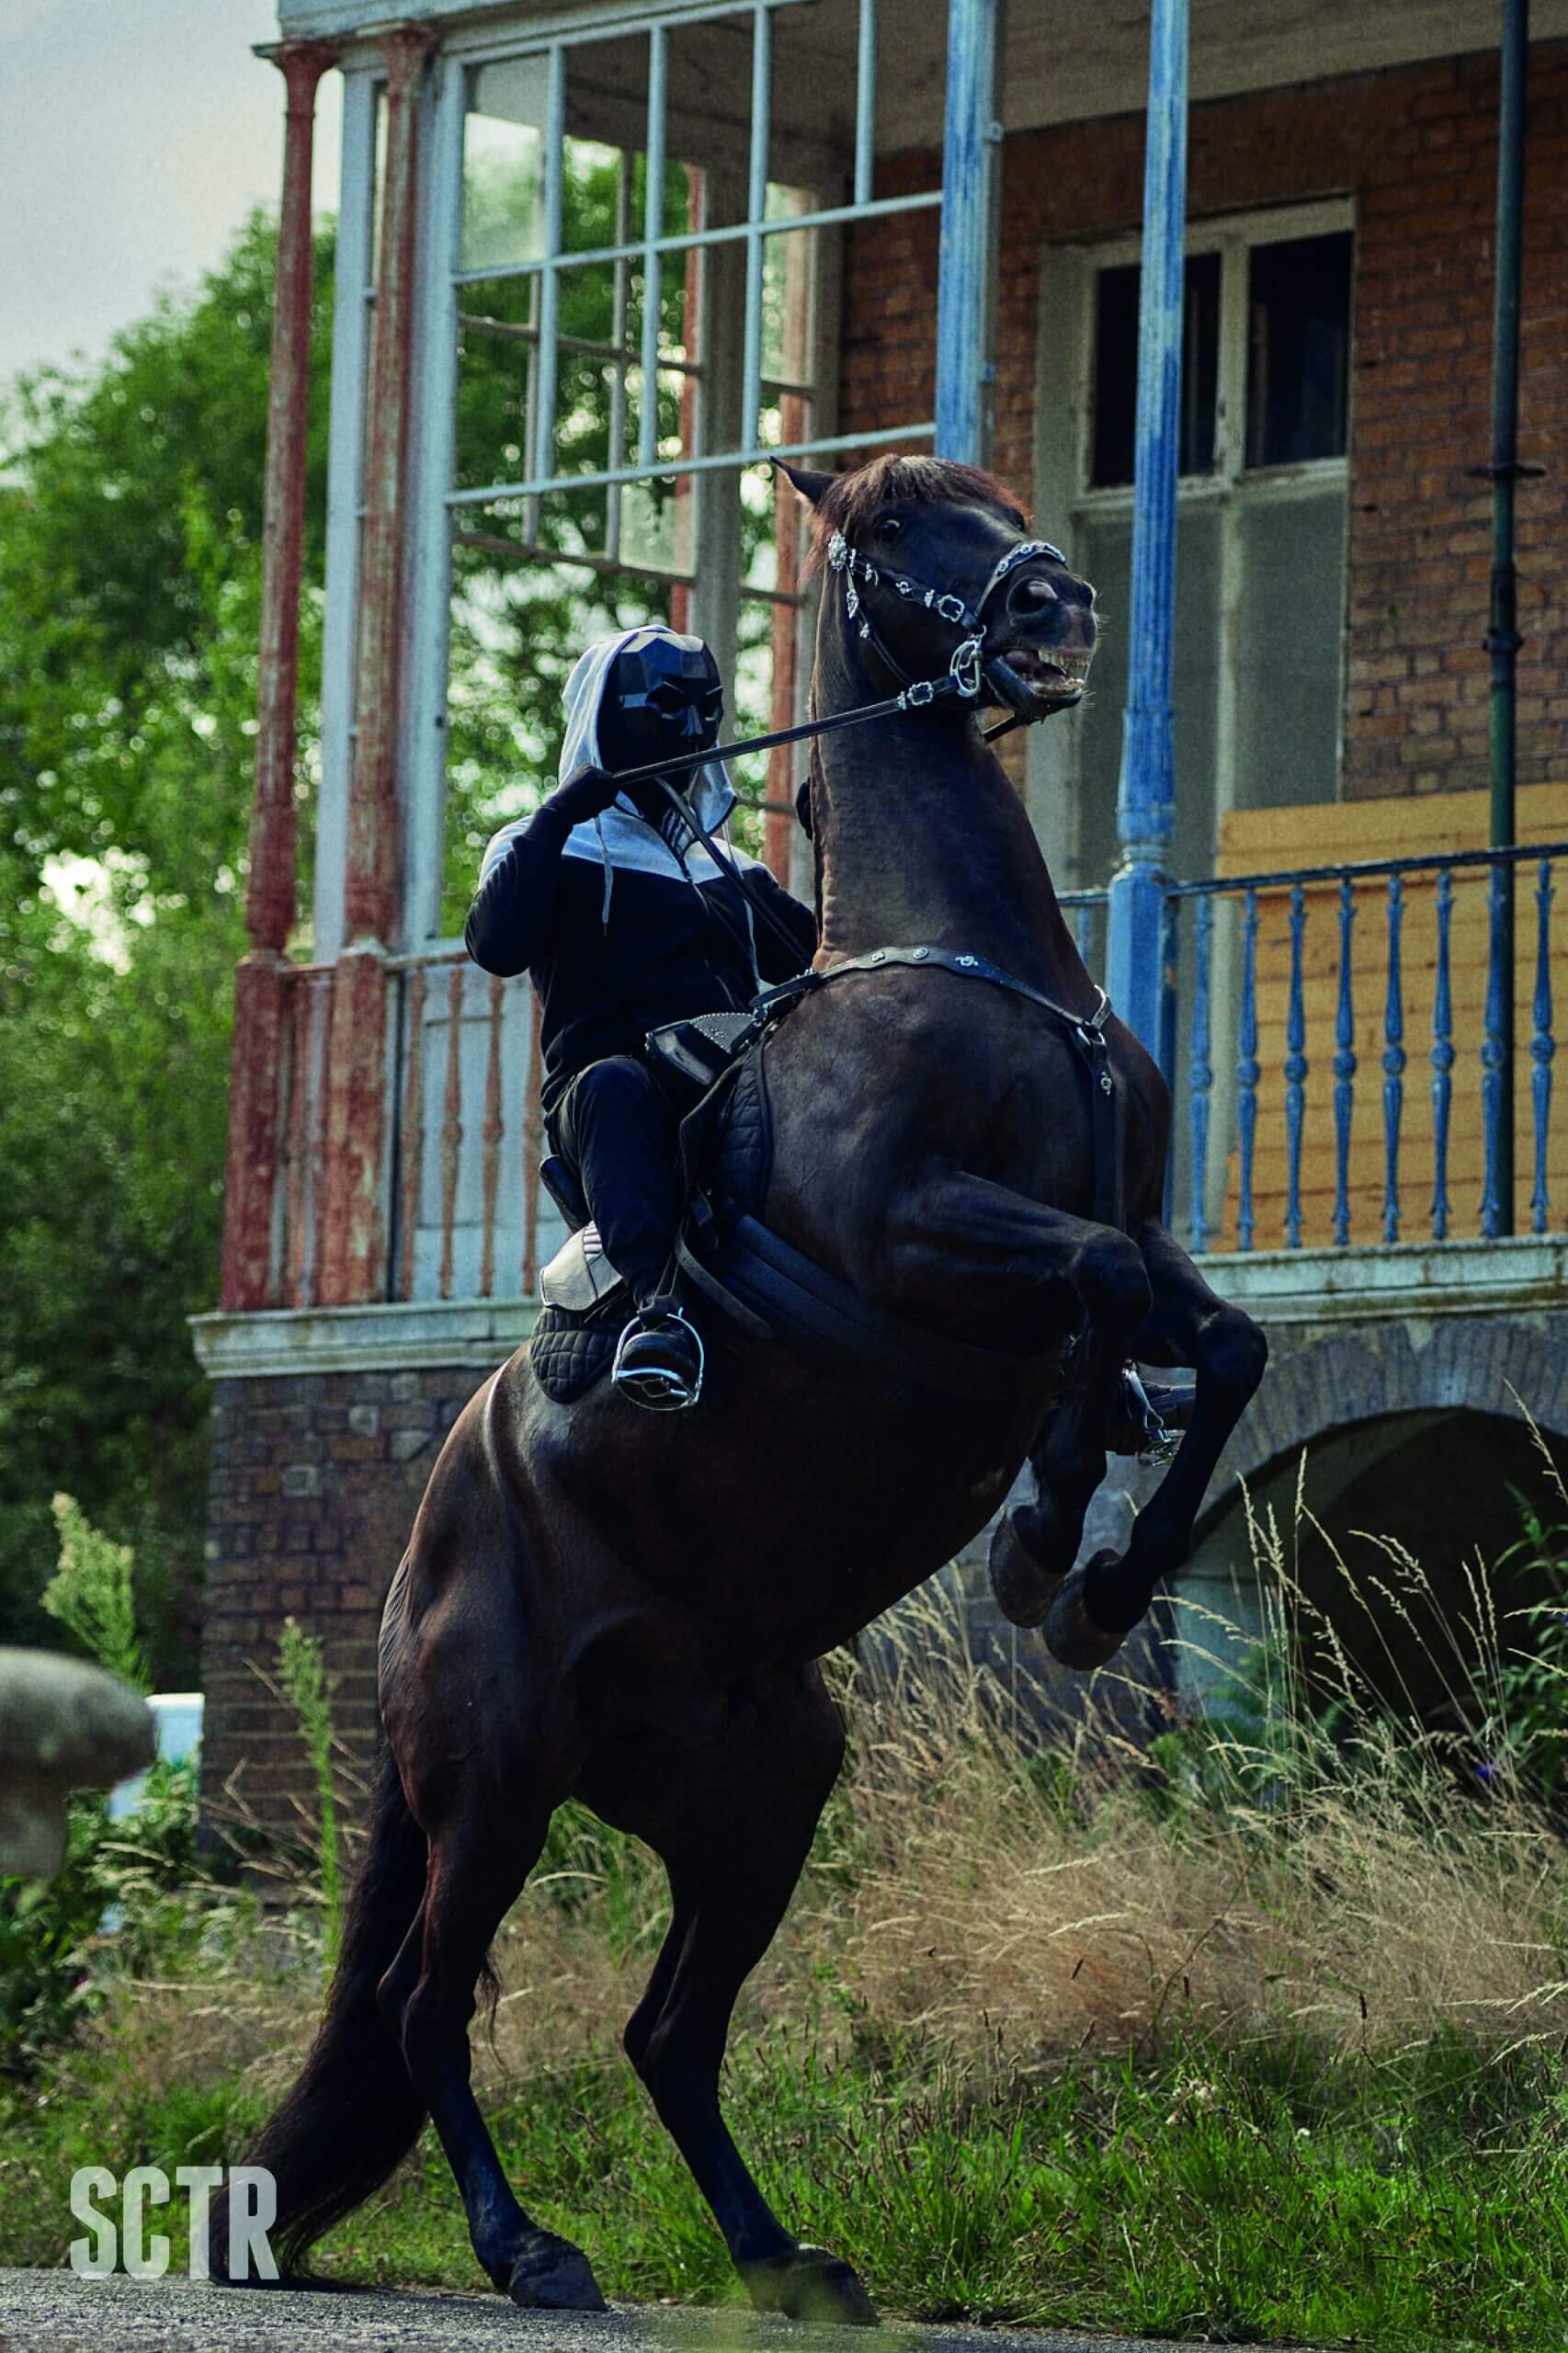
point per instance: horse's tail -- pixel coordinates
(353, 2112)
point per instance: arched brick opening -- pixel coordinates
(1324, 1381)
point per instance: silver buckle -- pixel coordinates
(964, 668)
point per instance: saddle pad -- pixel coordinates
(744, 1157)
(569, 1353)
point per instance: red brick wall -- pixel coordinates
(1417, 150)
(315, 1480)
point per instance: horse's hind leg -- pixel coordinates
(481, 1852)
(1035, 1544)
(1097, 1605)
(733, 1824)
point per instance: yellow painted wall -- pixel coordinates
(1254, 841)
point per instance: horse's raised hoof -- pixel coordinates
(1024, 1590)
(1072, 1636)
(811, 2284)
(551, 2275)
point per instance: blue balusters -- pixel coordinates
(1495, 1216)
(1247, 1069)
(1442, 1060)
(1542, 1045)
(1344, 1068)
(1200, 1071)
(1295, 1073)
(1393, 1062)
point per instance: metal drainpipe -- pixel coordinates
(1503, 640)
(1145, 808)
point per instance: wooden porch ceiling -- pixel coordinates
(1058, 67)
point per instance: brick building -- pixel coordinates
(843, 257)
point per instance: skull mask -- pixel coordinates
(663, 697)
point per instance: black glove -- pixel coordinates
(586, 793)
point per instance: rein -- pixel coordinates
(964, 675)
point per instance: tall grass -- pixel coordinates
(1261, 2033)
(305, 1684)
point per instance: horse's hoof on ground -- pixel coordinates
(812, 2284)
(1024, 1590)
(551, 2275)
(1072, 1636)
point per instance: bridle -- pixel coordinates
(966, 668)
(964, 677)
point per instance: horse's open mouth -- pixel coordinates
(1054, 677)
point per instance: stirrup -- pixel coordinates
(659, 1389)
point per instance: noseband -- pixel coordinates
(965, 669)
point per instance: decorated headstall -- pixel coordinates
(964, 676)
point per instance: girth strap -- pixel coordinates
(746, 1267)
(1086, 1030)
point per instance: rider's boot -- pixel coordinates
(659, 1362)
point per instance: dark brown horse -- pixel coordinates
(628, 1608)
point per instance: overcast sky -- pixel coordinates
(134, 136)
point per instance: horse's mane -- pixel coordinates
(854, 498)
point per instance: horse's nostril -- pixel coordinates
(1037, 592)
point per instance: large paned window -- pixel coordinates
(630, 297)
(1261, 514)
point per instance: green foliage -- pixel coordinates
(1529, 1728)
(91, 1594)
(130, 569)
(57, 1963)
(308, 1688)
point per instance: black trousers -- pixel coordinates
(622, 1138)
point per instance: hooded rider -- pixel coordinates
(622, 920)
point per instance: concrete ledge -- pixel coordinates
(415, 1336)
(1394, 1280)
(1389, 1282)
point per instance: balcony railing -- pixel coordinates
(1335, 1044)
(1339, 1051)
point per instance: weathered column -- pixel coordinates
(1146, 806)
(351, 1251)
(972, 139)
(261, 992)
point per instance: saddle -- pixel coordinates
(583, 1297)
(762, 1284)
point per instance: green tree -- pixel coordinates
(129, 567)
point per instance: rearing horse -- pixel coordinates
(628, 1608)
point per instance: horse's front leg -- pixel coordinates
(1037, 1267)
(1097, 1605)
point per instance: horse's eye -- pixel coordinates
(892, 528)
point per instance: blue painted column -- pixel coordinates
(972, 145)
(1145, 797)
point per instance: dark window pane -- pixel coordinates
(1298, 349)
(1116, 370)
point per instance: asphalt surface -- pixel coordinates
(176, 2315)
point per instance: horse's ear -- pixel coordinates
(812, 487)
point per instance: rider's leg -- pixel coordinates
(620, 1133)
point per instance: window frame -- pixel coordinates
(1064, 455)
(1232, 236)
(435, 505)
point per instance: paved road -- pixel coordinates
(53, 2309)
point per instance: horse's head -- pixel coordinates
(935, 556)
